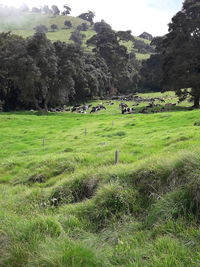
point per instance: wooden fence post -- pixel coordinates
(85, 131)
(116, 157)
(43, 141)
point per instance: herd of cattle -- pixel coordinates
(154, 105)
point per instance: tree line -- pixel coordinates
(36, 73)
(176, 64)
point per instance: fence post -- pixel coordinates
(43, 141)
(85, 131)
(116, 157)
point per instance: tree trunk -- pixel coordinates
(36, 104)
(196, 101)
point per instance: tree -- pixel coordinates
(146, 35)
(55, 10)
(77, 37)
(68, 24)
(142, 47)
(54, 27)
(122, 66)
(34, 73)
(101, 26)
(14, 61)
(41, 83)
(181, 53)
(125, 36)
(88, 16)
(151, 74)
(83, 27)
(67, 10)
(41, 29)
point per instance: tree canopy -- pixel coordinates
(122, 65)
(181, 53)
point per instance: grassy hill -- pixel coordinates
(23, 26)
(65, 203)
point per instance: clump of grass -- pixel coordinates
(168, 251)
(39, 229)
(110, 203)
(51, 168)
(170, 207)
(65, 252)
(73, 191)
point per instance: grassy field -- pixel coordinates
(64, 202)
(24, 26)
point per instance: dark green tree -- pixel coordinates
(68, 24)
(143, 47)
(77, 37)
(54, 27)
(122, 66)
(67, 10)
(14, 61)
(101, 26)
(181, 52)
(83, 27)
(125, 36)
(146, 35)
(89, 16)
(41, 84)
(41, 29)
(151, 74)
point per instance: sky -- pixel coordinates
(151, 16)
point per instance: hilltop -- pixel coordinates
(25, 23)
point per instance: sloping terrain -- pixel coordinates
(64, 202)
(24, 26)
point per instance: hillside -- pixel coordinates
(64, 202)
(23, 26)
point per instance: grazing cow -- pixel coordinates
(94, 109)
(123, 105)
(97, 108)
(128, 110)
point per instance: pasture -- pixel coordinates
(24, 26)
(64, 202)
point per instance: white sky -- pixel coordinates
(136, 15)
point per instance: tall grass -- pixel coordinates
(64, 202)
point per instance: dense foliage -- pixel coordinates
(123, 66)
(181, 52)
(36, 73)
(177, 63)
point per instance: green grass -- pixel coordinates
(23, 25)
(65, 203)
